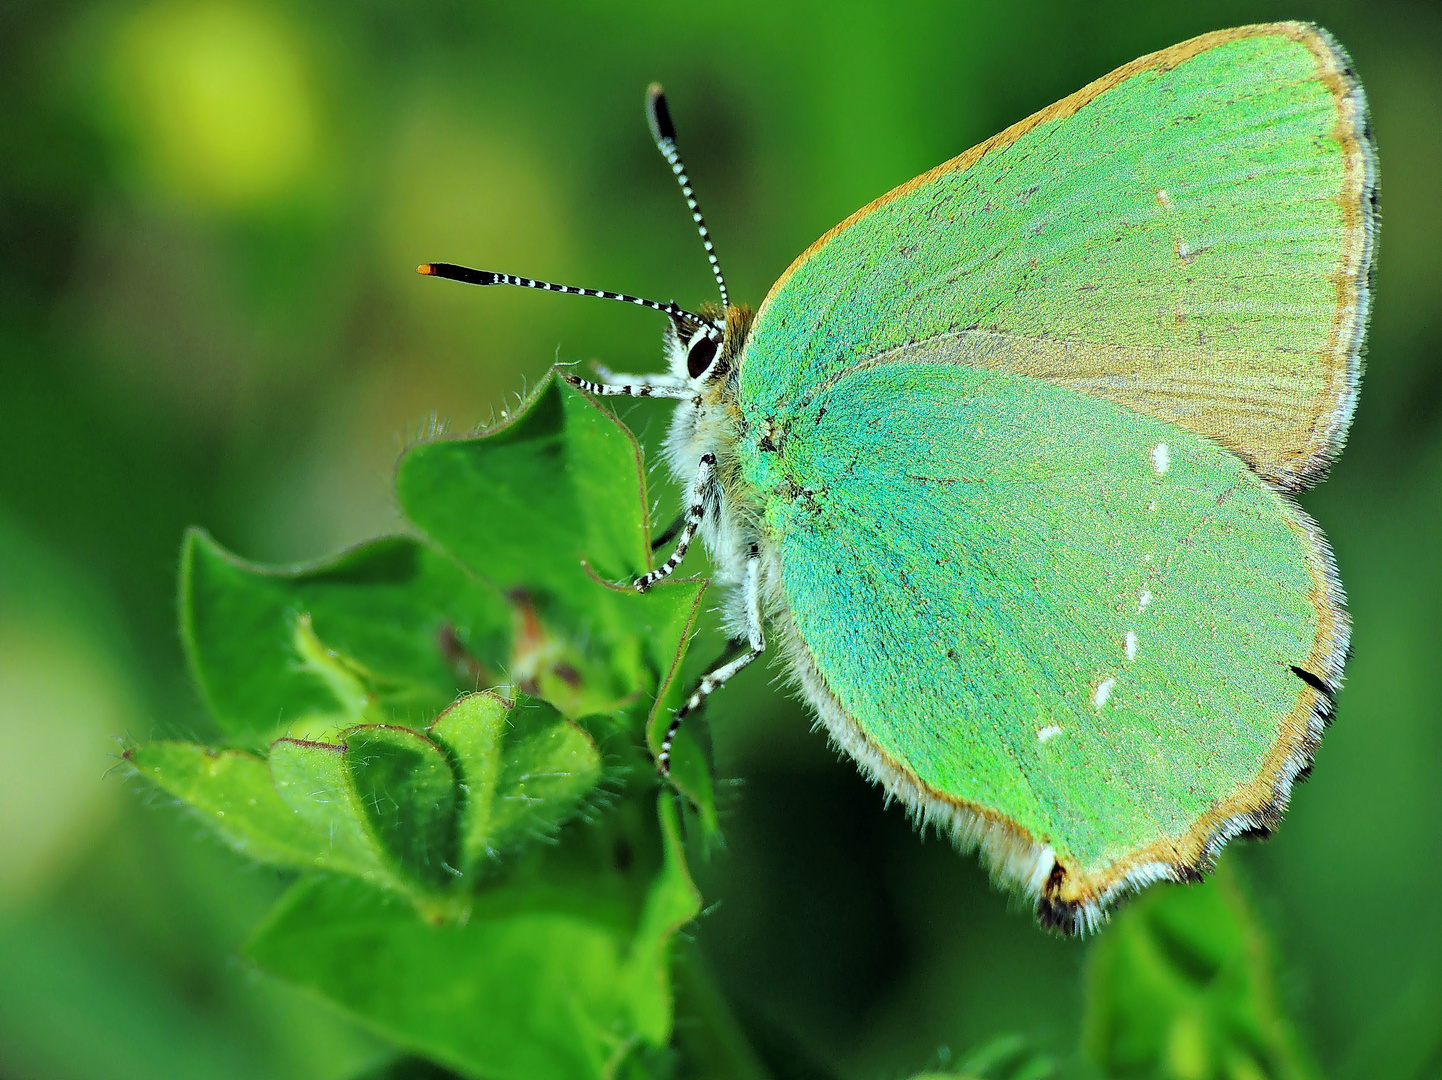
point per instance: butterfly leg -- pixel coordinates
(669, 533)
(703, 493)
(714, 680)
(656, 379)
(657, 386)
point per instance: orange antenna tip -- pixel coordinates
(425, 268)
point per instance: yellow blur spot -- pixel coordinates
(219, 99)
(1188, 1054)
(62, 704)
(462, 191)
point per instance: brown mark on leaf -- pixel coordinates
(464, 662)
(528, 644)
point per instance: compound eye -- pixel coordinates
(698, 360)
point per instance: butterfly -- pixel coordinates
(1003, 465)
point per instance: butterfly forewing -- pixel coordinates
(1189, 237)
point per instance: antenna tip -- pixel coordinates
(658, 115)
(425, 268)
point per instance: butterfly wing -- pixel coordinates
(1189, 236)
(1093, 640)
(1027, 423)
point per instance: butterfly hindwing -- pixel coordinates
(1026, 605)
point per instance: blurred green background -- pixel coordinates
(210, 213)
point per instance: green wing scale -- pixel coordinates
(1060, 638)
(1032, 419)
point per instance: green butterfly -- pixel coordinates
(1004, 461)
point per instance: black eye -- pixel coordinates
(700, 357)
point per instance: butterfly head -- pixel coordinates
(702, 348)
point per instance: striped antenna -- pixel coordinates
(664, 132)
(487, 277)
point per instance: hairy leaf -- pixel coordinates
(525, 769)
(551, 509)
(408, 792)
(388, 631)
(551, 961)
(234, 793)
(390, 805)
(556, 974)
(314, 782)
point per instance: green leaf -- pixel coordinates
(391, 631)
(1180, 986)
(561, 966)
(529, 994)
(301, 809)
(313, 781)
(671, 903)
(691, 771)
(381, 807)
(234, 793)
(388, 631)
(563, 532)
(471, 731)
(548, 766)
(1005, 1057)
(559, 483)
(525, 768)
(389, 805)
(298, 810)
(405, 785)
(560, 972)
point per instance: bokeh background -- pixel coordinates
(210, 212)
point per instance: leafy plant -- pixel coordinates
(444, 899)
(449, 738)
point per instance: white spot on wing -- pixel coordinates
(1103, 692)
(1143, 599)
(1051, 731)
(1129, 644)
(1164, 199)
(1161, 458)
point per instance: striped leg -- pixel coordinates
(714, 680)
(702, 494)
(652, 388)
(669, 533)
(662, 379)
